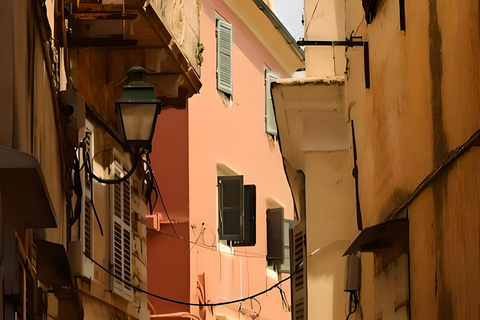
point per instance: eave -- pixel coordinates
(310, 116)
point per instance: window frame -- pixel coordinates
(221, 208)
(126, 238)
(270, 118)
(224, 82)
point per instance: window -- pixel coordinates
(230, 208)
(250, 223)
(224, 57)
(298, 252)
(287, 229)
(86, 218)
(275, 237)
(270, 122)
(121, 233)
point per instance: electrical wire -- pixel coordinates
(354, 299)
(157, 188)
(250, 313)
(285, 304)
(136, 160)
(93, 202)
(313, 13)
(189, 303)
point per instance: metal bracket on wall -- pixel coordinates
(349, 43)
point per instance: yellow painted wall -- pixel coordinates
(330, 207)
(423, 102)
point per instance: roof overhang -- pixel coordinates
(24, 195)
(310, 115)
(138, 26)
(271, 32)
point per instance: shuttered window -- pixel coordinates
(86, 219)
(270, 121)
(250, 213)
(298, 253)
(230, 208)
(285, 266)
(224, 57)
(121, 251)
(275, 236)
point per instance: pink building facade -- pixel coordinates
(223, 133)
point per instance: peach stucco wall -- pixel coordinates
(234, 136)
(188, 146)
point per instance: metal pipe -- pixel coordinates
(347, 43)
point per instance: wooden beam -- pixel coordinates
(101, 16)
(101, 42)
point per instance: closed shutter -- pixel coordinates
(230, 208)
(285, 266)
(224, 57)
(121, 234)
(250, 214)
(275, 237)
(299, 281)
(270, 121)
(86, 221)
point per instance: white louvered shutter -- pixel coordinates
(224, 57)
(86, 219)
(127, 237)
(121, 234)
(270, 122)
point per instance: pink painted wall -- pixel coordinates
(234, 136)
(187, 147)
(167, 256)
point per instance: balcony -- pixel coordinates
(110, 36)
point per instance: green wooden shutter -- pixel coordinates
(224, 57)
(250, 214)
(230, 208)
(285, 266)
(275, 235)
(270, 121)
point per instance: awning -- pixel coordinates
(24, 195)
(380, 236)
(53, 270)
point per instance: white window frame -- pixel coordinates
(124, 237)
(85, 221)
(270, 121)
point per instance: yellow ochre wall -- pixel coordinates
(423, 103)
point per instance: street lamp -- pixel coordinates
(138, 108)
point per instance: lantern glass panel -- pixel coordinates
(138, 120)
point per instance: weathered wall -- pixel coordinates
(168, 256)
(325, 21)
(423, 102)
(235, 137)
(181, 17)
